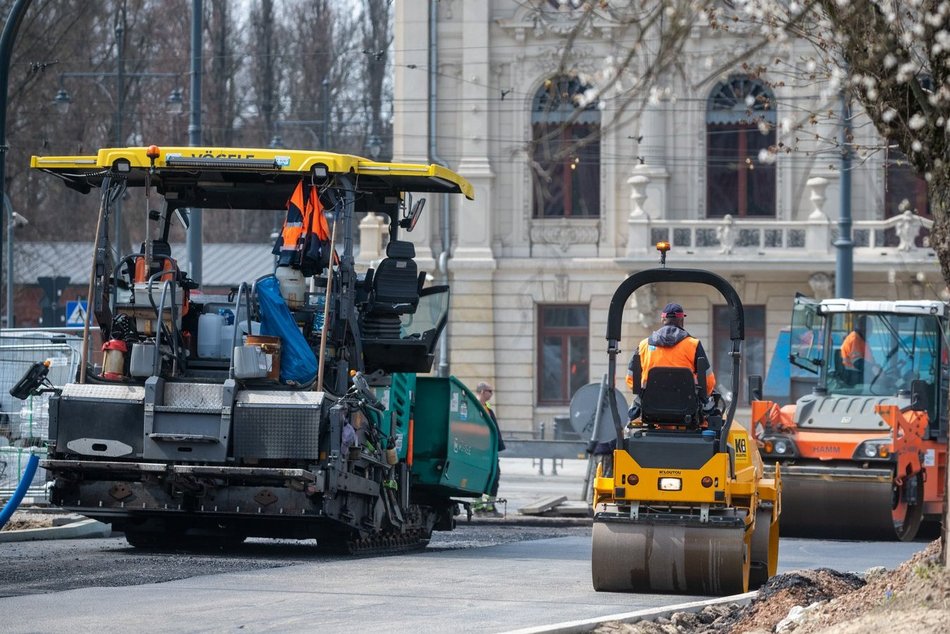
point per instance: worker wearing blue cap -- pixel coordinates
(669, 346)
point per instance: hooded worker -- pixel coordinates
(669, 346)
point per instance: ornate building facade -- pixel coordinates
(569, 201)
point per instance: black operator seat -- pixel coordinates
(669, 398)
(395, 285)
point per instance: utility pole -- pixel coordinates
(193, 242)
(120, 18)
(325, 131)
(844, 263)
(10, 29)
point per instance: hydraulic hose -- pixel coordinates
(21, 489)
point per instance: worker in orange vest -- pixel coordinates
(856, 354)
(669, 346)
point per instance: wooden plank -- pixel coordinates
(571, 508)
(541, 505)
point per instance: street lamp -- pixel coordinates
(375, 146)
(174, 104)
(13, 219)
(62, 101)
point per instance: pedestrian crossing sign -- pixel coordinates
(75, 313)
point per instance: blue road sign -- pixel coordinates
(75, 313)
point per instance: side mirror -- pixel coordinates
(755, 388)
(412, 216)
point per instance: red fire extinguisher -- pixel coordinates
(113, 359)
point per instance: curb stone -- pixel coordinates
(84, 528)
(586, 625)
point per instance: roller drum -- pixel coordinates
(762, 549)
(837, 508)
(668, 558)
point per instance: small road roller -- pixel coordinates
(686, 507)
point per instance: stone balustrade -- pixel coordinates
(905, 235)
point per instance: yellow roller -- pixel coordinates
(678, 515)
(685, 505)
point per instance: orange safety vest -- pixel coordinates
(305, 231)
(854, 347)
(681, 355)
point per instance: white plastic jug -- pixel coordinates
(227, 341)
(293, 288)
(209, 335)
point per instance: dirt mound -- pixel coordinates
(21, 520)
(914, 598)
(784, 592)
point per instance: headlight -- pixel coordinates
(779, 446)
(873, 450)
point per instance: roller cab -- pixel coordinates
(685, 507)
(864, 455)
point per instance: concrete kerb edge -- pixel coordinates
(82, 529)
(586, 625)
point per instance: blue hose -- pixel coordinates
(21, 489)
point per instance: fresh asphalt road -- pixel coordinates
(490, 589)
(484, 589)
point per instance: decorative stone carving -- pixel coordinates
(561, 286)
(907, 225)
(638, 194)
(372, 228)
(564, 233)
(643, 303)
(821, 285)
(738, 283)
(817, 185)
(541, 19)
(725, 233)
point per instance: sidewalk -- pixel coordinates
(522, 482)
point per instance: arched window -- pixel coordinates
(737, 182)
(566, 151)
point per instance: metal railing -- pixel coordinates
(24, 425)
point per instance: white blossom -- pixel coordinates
(917, 121)
(916, 146)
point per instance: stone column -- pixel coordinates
(410, 119)
(475, 223)
(652, 151)
(372, 228)
(471, 329)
